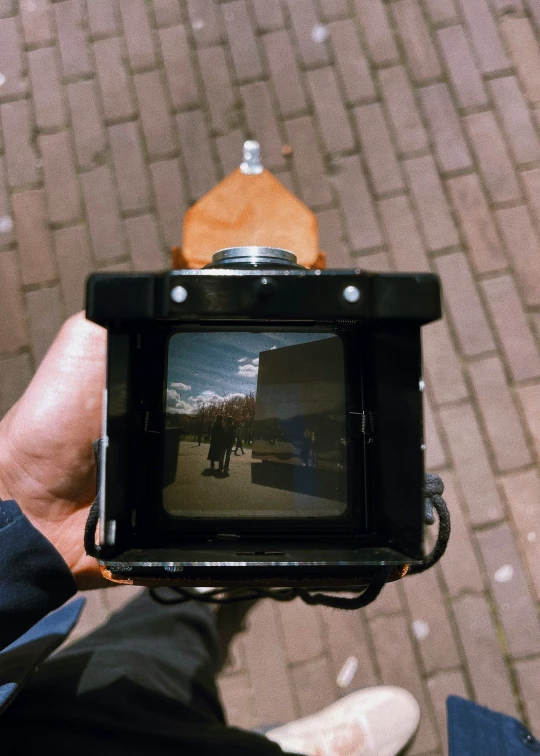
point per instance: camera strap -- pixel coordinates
(433, 502)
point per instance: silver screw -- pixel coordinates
(351, 294)
(178, 294)
(421, 385)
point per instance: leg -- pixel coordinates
(144, 683)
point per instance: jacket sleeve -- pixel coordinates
(34, 578)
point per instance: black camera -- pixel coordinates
(263, 422)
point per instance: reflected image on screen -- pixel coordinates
(255, 425)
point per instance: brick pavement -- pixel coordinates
(415, 134)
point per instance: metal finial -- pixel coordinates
(252, 158)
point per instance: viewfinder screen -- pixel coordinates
(255, 425)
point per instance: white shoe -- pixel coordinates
(372, 722)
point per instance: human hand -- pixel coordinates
(46, 455)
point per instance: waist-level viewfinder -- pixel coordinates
(263, 422)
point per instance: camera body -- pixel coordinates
(314, 375)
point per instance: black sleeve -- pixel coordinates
(34, 578)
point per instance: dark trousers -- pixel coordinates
(144, 683)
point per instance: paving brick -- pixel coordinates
(492, 156)
(331, 240)
(102, 214)
(441, 686)
(171, 200)
(523, 249)
(262, 122)
(523, 493)
(36, 18)
(11, 60)
(351, 62)
(377, 149)
(484, 36)
(435, 456)
(441, 11)
(125, 266)
(334, 9)
(45, 315)
(154, 114)
(309, 644)
(515, 605)
(33, 237)
(531, 180)
(534, 10)
(442, 364)
(178, 68)
(420, 51)
(230, 150)
(196, 152)
(167, 12)
(398, 667)
(426, 603)
(238, 700)
(505, 7)
(528, 674)
(464, 76)
(459, 566)
(510, 320)
(490, 679)
(6, 235)
(516, 119)
(15, 375)
(472, 464)
(113, 80)
(88, 131)
(387, 603)
(222, 103)
(378, 262)
(13, 327)
(138, 34)
(268, 15)
(145, 246)
(380, 41)
(307, 163)
(499, 414)
(242, 41)
(463, 305)
(75, 265)
(313, 684)
(21, 157)
(129, 166)
(284, 73)
(7, 8)
(402, 233)
(529, 397)
(304, 18)
(405, 119)
(469, 203)
(433, 209)
(331, 113)
(71, 37)
(525, 54)
(205, 23)
(346, 636)
(102, 17)
(268, 671)
(360, 220)
(445, 128)
(46, 90)
(60, 178)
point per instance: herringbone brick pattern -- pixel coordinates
(415, 135)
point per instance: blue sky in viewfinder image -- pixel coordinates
(220, 363)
